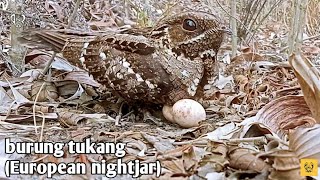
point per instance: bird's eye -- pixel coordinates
(189, 25)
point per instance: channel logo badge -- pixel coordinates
(309, 167)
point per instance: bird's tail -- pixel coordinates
(82, 49)
(54, 40)
(42, 40)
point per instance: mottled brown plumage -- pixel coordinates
(161, 65)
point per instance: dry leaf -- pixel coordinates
(215, 176)
(280, 115)
(305, 142)
(77, 94)
(249, 56)
(286, 166)
(243, 159)
(136, 147)
(55, 7)
(309, 80)
(46, 91)
(27, 117)
(68, 119)
(224, 81)
(28, 107)
(217, 157)
(159, 143)
(221, 133)
(67, 88)
(175, 166)
(33, 74)
(192, 155)
(81, 77)
(19, 98)
(5, 101)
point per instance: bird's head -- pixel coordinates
(190, 34)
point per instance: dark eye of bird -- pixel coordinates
(189, 25)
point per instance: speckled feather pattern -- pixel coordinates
(159, 65)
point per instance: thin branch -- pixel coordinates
(74, 13)
(234, 18)
(251, 24)
(46, 69)
(234, 28)
(264, 18)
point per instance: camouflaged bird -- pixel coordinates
(160, 65)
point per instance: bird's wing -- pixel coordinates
(58, 40)
(75, 44)
(184, 72)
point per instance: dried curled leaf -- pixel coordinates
(244, 159)
(29, 107)
(68, 119)
(175, 166)
(67, 88)
(283, 114)
(81, 77)
(286, 166)
(305, 142)
(309, 80)
(242, 81)
(158, 142)
(46, 91)
(247, 57)
(218, 157)
(13, 118)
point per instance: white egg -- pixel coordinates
(167, 113)
(185, 112)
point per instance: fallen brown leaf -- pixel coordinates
(280, 115)
(309, 78)
(305, 142)
(245, 160)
